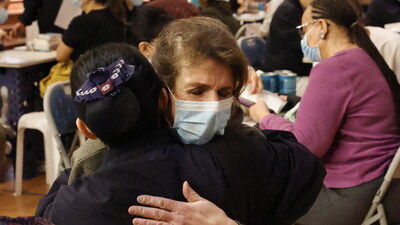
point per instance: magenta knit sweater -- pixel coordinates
(347, 118)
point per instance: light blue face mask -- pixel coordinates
(137, 2)
(311, 53)
(198, 122)
(77, 3)
(3, 15)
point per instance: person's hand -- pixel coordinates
(18, 30)
(255, 80)
(197, 211)
(258, 111)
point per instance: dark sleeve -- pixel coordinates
(304, 178)
(47, 202)
(75, 32)
(278, 179)
(89, 200)
(32, 11)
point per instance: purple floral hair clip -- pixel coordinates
(104, 81)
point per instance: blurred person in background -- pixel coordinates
(221, 10)
(283, 50)
(381, 12)
(44, 11)
(386, 41)
(103, 21)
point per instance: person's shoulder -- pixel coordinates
(78, 19)
(342, 68)
(87, 150)
(78, 23)
(341, 60)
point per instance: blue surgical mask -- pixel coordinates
(77, 3)
(311, 53)
(3, 15)
(137, 2)
(198, 122)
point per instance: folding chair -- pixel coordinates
(60, 113)
(57, 119)
(254, 49)
(377, 212)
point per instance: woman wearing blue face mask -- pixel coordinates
(156, 136)
(349, 117)
(103, 21)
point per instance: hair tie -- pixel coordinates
(353, 24)
(104, 81)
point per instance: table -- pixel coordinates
(20, 72)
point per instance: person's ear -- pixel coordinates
(84, 129)
(146, 49)
(324, 29)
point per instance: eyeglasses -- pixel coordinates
(300, 27)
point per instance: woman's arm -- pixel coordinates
(63, 52)
(321, 111)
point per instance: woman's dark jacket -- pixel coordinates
(255, 177)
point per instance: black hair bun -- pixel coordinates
(113, 116)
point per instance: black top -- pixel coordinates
(44, 11)
(227, 19)
(256, 179)
(91, 30)
(381, 12)
(283, 49)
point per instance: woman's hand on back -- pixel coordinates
(163, 211)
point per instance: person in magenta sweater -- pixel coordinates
(349, 117)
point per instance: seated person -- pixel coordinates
(283, 50)
(220, 9)
(259, 178)
(352, 129)
(103, 21)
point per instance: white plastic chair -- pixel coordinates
(377, 211)
(37, 121)
(58, 118)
